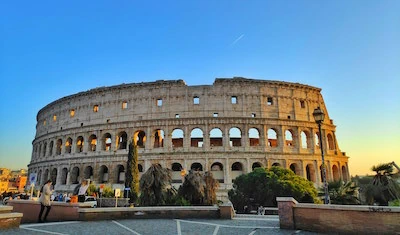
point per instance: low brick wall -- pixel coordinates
(9, 219)
(157, 212)
(338, 218)
(60, 211)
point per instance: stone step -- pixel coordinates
(5, 209)
(10, 220)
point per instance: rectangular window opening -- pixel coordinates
(196, 100)
(215, 114)
(176, 115)
(234, 99)
(253, 115)
(270, 101)
(159, 102)
(95, 108)
(302, 104)
(124, 105)
(72, 112)
(54, 117)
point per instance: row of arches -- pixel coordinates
(214, 138)
(106, 174)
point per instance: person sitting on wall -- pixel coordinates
(80, 190)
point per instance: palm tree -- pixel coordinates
(156, 186)
(383, 187)
(343, 193)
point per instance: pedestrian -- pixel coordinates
(82, 191)
(45, 201)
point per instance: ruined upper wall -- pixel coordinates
(254, 99)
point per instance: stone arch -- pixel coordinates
(272, 138)
(122, 140)
(51, 148)
(289, 138)
(53, 176)
(88, 173)
(44, 149)
(217, 170)
(120, 174)
(176, 174)
(295, 168)
(93, 142)
(236, 169)
(335, 173)
(256, 165)
(235, 137)
(68, 145)
(75, 175)
(59, 147)
(103, 174)
(276, 164)
(39, 177)
(216, 137)
(310, 173)
(79, 144)
(46, 175)
(344, 173)
(64, 175)
(177, 138)
(254, 137)
(331, 143)
(316, 140)
(305, 139)
(40, 151)
(140, 168)
(139, 138)
(106, 142)
(159, 138)
(196, 138)
(196, 166)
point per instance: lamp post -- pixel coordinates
(319, 118)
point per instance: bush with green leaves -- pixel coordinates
(262, 186)
(108, 191)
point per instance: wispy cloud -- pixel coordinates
(237, 39)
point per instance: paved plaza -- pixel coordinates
(251, 225)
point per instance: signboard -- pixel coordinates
(32, 178)
(117, 192)
(101, 188)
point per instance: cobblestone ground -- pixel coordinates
(253, 225)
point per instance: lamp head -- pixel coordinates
(318, 115)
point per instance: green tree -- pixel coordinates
(156, 187)
(383, 187)
(132, 173)
(262, 186)
(199, 188)
(343, 193)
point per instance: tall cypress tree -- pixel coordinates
(132, 173)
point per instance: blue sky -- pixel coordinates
(350, 49)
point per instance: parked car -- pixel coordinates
(91, 200)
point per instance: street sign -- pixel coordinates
(32, 178)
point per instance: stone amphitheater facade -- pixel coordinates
(228, 128)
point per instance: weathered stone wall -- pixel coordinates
(274, 120)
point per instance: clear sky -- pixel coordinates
(350, 49)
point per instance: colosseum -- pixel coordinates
(228, 128)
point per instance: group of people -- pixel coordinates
(46, 193)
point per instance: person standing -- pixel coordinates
(82, 191)
(45, 201)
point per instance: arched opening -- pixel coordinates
(331, 143)
(310, 171)
(122, 140)
(176, 172)
(44, 149)
(256, 165)
(107, 142)
(140, 138)
(58, 147)
(216, 137)
(235, 137)
(40, 151)
(272, 138)
(46, 175)
(218, 171)
(254, 137)
(236, 169)
(93, 142)
(79, 144)
(344, 174)
(140, 168)
(68, 145)
(295, 168)
(196, 138)
(39, 177)
(75, 175)
(304, 139)
(289, 138)
(158, 138)
(335, 173)
(177, 138)
(103, 174)
(276, 164)
(196, 167)
(53, 176)
(51, 148)
(316, 140)
(88, 173)
(120, 174)
(64, 175)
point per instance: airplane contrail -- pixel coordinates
(237, 39)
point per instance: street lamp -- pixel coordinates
(319, 118)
